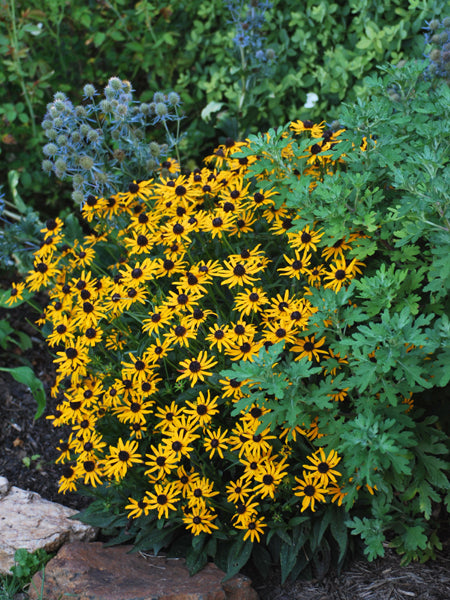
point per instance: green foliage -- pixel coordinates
(324, 48)
(26, 564)
(391, 324)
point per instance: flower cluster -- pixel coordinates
(180, 278)
(437, 38)
(101, 144)
(249, 19)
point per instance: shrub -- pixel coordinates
(225, 370)
(317, 48)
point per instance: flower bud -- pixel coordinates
(151, 165)
(51, 134)
(89, 90)
(154, 148)
(75, 137)
(61, 140)
(433, 25)
(93, 136)
(173, 99)
(78, 197)
(161, 109)
(47, 166)
(84, 129)
(81, 112)
(78, 180)
(60, 167)
(105, 106)
(86, 162)
(58, 122)
(60, 96)
(158, 97)
(115, 84)
(270, 54)
(50, 149)
(435, 55)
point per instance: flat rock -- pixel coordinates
(28, 521)
(89, 571)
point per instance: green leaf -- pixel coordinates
(238, 557)
(26, 376)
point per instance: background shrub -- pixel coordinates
(325, 48)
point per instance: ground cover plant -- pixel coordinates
(239, 349)
(263, 59)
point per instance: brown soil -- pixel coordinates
(22, 438)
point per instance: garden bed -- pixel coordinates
(22, 438)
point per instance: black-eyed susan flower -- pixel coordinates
(63, 331)
(238, 491)
(67, 481)
(306, 239)
(163, 499)
(250, 301)
(168, 416)
(323, 466)
(180, 441)
(196, 369)
(310, 490)
(269, 476)
(199, 520)
(245, 351)
(308, 347)
(253, 527)
(199, 490)
(73, 359)
(215, 441)
(203, 409)
(121, 458)
(90, 471)
(297, 267)
(161, 461)
(219, 336)
(16, 294)
(137, 508)
(236, 272)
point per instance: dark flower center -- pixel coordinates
(323, 467)
(71, 353)
(309, 490)
(61, 329)
(195, 366)
(239, 270)
(267, 479)
(123, 455)
(339, 274)
(142, 240)
(136, 273)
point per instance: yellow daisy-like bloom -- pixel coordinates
(199, 520)
(200, 489)
(307, 239)
(196, 369)
(323, 466)
(245, 351)
(203, 409)
(138, 369)
(137, 508)
(43, 272)
(309, 348)
(215, 441)
(121, 458)
(315, 129)
(239, 491)
(250, 301)
(161, 461)
(310, 490)
(296, 266)
(90, 470)
(163, 499)
(73, 360)
(15, 294)
(337, 494)
(237, 272)
(67, 480)
(253, 528)
(269, 476)
(340, 274)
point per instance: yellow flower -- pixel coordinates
(323, 466)
(310, 490)
(196, 369)
(121, 458)
(163, 499)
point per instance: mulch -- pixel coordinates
(22, 438)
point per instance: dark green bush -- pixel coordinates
(323, 48)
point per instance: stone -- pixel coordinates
(28, 521)
(91, 571)
(4, 486)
